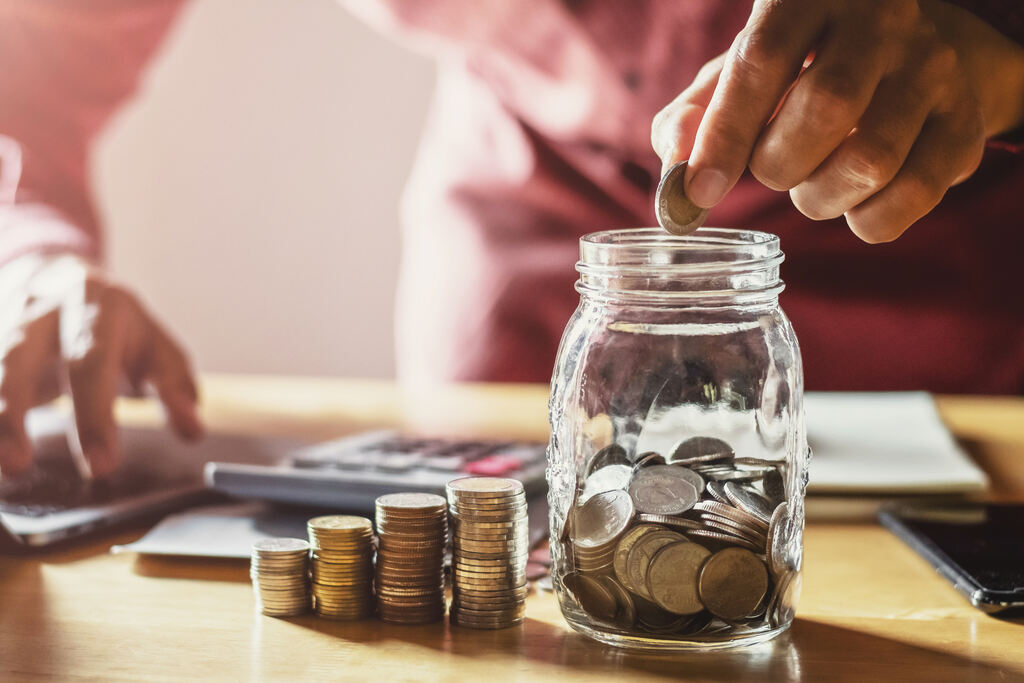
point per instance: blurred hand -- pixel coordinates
(868, 109)
(65, 328)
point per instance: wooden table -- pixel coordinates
(871, 609)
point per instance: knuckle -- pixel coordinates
(920, 193)
(941, 59)
(833, 98)
(869, 167)
(755, 53)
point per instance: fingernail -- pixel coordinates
(707, 187)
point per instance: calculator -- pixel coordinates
(351, 472)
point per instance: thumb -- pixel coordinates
(674, 129)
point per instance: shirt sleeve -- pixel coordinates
(67, 65)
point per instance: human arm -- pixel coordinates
(67, 66)
(869, 110)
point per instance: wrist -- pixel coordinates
(993, 64)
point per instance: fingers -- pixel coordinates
(761, 64)
(943, 153)
(871, 156)
(822, 108)
(92, 332)
(169, 372)
(26, 354)
(675, 127)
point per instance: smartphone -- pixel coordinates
(978, 547)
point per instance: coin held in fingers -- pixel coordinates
(676, 213)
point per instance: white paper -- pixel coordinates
(217, 531)
(885, 443)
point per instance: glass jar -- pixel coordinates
(678, 455)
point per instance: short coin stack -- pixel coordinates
(412, 530)
(490, 544)
(342, 567)
(280, 576)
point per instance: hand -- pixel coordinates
(868, 109)
(64, 326)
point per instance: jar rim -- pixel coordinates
(712, 264)
(705, 239)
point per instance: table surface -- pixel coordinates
(871, 608)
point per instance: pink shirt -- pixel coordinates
(540, 133)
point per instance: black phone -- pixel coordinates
(978, 547)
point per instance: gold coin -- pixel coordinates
(673, 575)
(625, 614)
(732, 583)
(594, 597)
(625, 544)
(639, 558)
(676, 213)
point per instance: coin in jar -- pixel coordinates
(625, 614)
(603, 518)
(673, 576)
(594, 597)
(732, 583)
(701, 450)
(608, 478)
(639, 559)
(625, 545)
(661, 490)
(749, 500)
(612, 454)
(775, 549)
(647, 459)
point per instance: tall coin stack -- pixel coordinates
(490, 543)
(412, 531)
(342, 568)
(280, 576)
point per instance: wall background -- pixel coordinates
(250, 193)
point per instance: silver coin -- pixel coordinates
(647, 459)
(603, 518)
(612, 454)
(663, 490)
(667, 520)
(778, 530)
(686, 473)
(608, 478)
(748, 500)
(701, 449)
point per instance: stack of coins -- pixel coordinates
(490, 544)
(697, 540)
(280, 576)
(412, 531)
(342, 567)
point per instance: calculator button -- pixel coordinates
(445, 463)
(397, 462)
